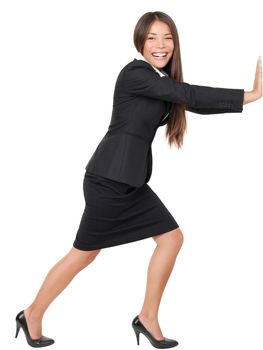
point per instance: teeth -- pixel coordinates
(159, 54)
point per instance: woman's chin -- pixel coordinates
(159, 64)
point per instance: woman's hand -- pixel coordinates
(256, 93)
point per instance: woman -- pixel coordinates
(120, 205)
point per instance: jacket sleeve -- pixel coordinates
(141, 80)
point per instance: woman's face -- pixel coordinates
(159, 45)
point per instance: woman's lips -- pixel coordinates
(160, 56)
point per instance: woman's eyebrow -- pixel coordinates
(156, 33)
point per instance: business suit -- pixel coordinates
(120, 206)
(142, 98)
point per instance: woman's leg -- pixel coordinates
(55, 282)
(159, 270)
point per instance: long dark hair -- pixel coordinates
(176, 125)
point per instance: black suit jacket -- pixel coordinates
(141, 103)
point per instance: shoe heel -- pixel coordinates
(18, 326)
(137, 336)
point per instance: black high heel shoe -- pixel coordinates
(36, 343)
(160, 344)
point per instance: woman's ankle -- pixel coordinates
(33, 313)
(148, 315)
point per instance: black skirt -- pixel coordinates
(116, 213)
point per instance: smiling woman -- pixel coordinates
(120, 206)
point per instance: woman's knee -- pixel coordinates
(83, 257)
(174, 237)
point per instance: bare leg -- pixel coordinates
(159, 270)
(55, 282)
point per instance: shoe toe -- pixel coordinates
(44, 341)
(172, 342)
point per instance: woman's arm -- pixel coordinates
(256, 93)
(139, 79)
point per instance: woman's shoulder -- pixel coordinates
(137, 63)
(137, 67)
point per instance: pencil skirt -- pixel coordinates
(117, 213)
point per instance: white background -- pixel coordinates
(58, 65)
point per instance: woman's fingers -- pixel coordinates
(258, 79)
(256, 93)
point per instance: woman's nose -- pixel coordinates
(160, 44)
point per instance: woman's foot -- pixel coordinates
(34, 324)
(152, 326)
(36, 343)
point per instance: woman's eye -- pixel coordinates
(150, 38)
(170, 38)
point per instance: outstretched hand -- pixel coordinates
(256, 93)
